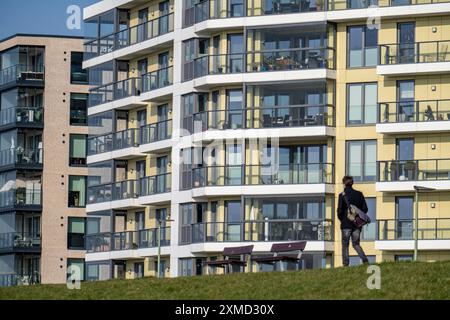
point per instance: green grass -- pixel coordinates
(398, 281)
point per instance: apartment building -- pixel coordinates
(43, 131)
(224, 123)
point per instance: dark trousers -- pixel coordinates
(355, 234)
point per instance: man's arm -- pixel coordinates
(340, 207)
(364, 207)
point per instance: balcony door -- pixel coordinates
(161, 171)
(405, 156)
(142, 33)
(233, 219)
(163, 116)
(404, 207)
(405, 98)
(235, 53)
(233, 162)
(234, 109)
(405, 40)
(163, 74)
(164, 18)
(236, 8)
(161, 215)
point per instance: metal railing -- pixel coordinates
(19, 240)
(21, 156)
(236, 175)
(414, 111)
(121, 190)
(133, 35)
(157, 79)
(156, 132)
(127, 240)
(414, 170)
(22, 115)
(415, 52)
(115, 91)
(20, 197)
(404, 229)
(160, 183)
(21, 72)
(15, 279)
(258, 231)
(100, 144)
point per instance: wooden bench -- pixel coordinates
(278, 248)
(229, 260)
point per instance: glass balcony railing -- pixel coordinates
(235, 175)
(121, 190)
(258, 231)
(15, 279)
(22, 116)
(414, 170)
(361, 4)
(100, 144)
(160, 183)
(20, 156)
(126, 139)
(416, 52)
(115, 91)
(21, 72)
(157, 79)
(414, 111)
(133, 35)
(20, 197)
(404, 229)
(17, 240)
(128, 240)
(156, 132)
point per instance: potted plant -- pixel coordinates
(319, 5)
(393, 167)
(410, 168)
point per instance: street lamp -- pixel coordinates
(417, 189)
(160, 221)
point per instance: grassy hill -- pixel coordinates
(398, 281)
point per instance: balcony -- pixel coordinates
(295, 120)
(312, 178)
(305, 64)
(257, 231)
(153, 84)
(25, 117)
(118, 145)
(155, 189)
(431, 57)
(123, 190)
(401, 176)
(395, 234)
(154, 136)
(31, 75)
(20, 198)
(20, 157)
(15, 279)
(145, 33)
(127, 240)
(20, 242)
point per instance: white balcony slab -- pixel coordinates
(116, 204)
(259, 247)
(133, 51)
(126, 254)
(255, 190)
(263, 77)
(122, 154)
(413, 127)
(105, 5)
(413, 68)
(157, 94)
(124, 104)
(390, 245)
(408, 186)
(155, 199)
(156, 147)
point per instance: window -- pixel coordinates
(75, 269)
(361, 160)
(369, 230)
(403, 257)
(78, 108)
(355, 260)
(77, 74)
(362, 47)
(77, 152)
(75, 233)
(77, 191)
(186, 267)
(362, 103)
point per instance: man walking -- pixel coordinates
(348, 228)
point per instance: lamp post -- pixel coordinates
(159, 221)
(417, 189)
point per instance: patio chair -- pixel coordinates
(280, 255)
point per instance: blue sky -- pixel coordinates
(38, 17)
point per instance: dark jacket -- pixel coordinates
(354, 197)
